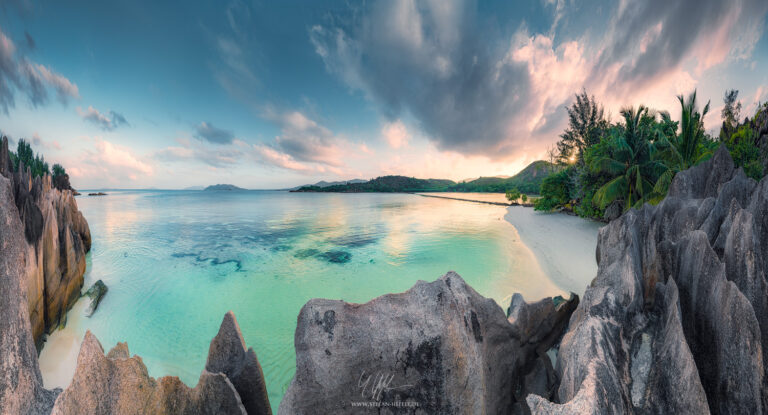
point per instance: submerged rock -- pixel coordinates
(439, 347)
(336, 257)
(305, 253)
(97, 291)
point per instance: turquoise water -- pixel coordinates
(176, 261)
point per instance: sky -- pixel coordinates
(138, 94)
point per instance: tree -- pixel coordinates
(586, 123)
(58, 170)
(731, 112)
(627, 157)
(554, 191)
(680, 152)
(36, 163)
(524, 197)
(513, 194)
(552, 156)
(745, 152)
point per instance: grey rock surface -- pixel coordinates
(675, 321)
(439, 347)
(229, 356)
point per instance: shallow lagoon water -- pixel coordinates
(176, 261)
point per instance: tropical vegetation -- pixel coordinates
(24, 154)
(610, 167)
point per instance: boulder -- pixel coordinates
(439, 347)
(97, 291)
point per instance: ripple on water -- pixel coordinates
(168, 259)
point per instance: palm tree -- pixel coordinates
(680, 152)
(626, 156)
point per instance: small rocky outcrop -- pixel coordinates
(439, 347)
(676, 320)
(115, 383)
(229, 356)
(97, 291)
(56, 240)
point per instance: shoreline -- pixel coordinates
(568, 259)
(58, 356)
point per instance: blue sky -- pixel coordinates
(274, 94)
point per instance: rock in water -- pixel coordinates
(440, 347)
(95, 294)
(119, 384)
(228, 355)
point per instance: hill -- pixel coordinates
(323, 183)
(385, 184)
(527, 180)
(223, 187)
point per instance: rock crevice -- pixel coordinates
(687, 275)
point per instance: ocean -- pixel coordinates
(176, 261)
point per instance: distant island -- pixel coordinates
(527, 181)
(223, 187)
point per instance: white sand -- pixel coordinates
(58, 359)
(563, 245)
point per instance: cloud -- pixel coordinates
(649, 39)
(39, 142)
(107, 122)
(110, 163)
(440, 62)
(192, 151)
(303, 145)
(396, 134)
(206, 131)
(303, 139)
(19, 74)
(429, 59)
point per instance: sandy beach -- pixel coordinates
(563, 245)
(58, 359)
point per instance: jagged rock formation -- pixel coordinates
(232, 382)
(21, 390)
(677, 319)
(56, 239)
(228, 355)
(440, 347)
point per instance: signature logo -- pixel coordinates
(373, 385)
